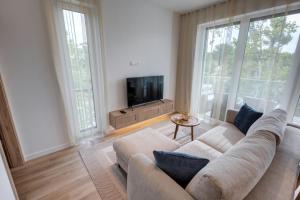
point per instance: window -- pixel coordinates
(296, 118)
(249, 60)
(267, 61)
(74, 29)
(218, 65)
(82, 86)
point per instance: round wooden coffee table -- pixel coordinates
(192, 121)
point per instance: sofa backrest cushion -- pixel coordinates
(274, 121)
(234, 174)
(230, 115)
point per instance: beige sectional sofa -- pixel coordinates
(241, 167)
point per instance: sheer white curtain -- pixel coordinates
(245, 59)
(74, 28)
(213, 75)
(213, 70)
(267, 71)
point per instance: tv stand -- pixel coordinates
(140, 113)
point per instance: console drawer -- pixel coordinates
(148, 113)
(166, 108)
(125, 120)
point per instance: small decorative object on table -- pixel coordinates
(186, 120)
(185, 116)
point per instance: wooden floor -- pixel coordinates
(62, 175)
(297, 193)
(59, 176)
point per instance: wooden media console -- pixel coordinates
(125, 117)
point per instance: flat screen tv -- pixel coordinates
(142, 90)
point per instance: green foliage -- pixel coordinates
(82, 83)
(264, 59)
(265, 66)
(219, 59)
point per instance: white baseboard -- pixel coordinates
(46, 151)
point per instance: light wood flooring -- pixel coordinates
(59, 176)
(62, 175)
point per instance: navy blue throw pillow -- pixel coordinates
(180, 167)
(246, 117)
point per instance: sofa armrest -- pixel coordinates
(230, 115)
(146, 181)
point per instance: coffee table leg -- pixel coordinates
(176, 130)
(192, 133)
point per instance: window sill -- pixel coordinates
(293, 124)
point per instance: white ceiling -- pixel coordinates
(183, 6)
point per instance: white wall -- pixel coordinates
(29, 77)
(138, 30)
(134, 30)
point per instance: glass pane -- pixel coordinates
(296, 118)
(218, 66)
(80, 67)
(267, 61)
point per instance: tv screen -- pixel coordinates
(144, 89)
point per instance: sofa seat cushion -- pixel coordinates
(143, 141)
(279, 181)
(222, 137)
(199, 149)
(234, 174)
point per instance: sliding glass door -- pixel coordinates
(249, 60)
(268, 60)
(219, 56)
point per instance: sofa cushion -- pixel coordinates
(230, 115)
(145, 181)
(199, 149)
(280, 179)
(179, 166)
(246, 117)
(234, 174)
(143, 141)
(274, 121)
(222, 137)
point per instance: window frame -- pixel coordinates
(85, 10)
(295, 96)
(293, 85)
